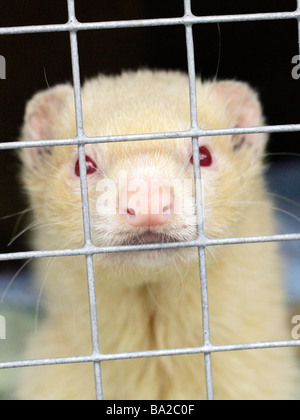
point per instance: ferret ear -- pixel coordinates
(44, 113)
(243, 106)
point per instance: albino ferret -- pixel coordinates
(151, 299)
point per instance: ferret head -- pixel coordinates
(141, 192)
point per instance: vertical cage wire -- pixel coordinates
(202, 242)
(85, 199)
(199, 198)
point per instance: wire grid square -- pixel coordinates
(88, 250)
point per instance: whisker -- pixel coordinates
(49, 264)
(283, 154)
(31, 226)
(13, 279)
(19, 213)
(247, 203)
(288, 213)
(281, 197)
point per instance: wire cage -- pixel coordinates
(73, 26)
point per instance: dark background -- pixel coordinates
(257, 52)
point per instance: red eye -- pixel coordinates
(91, 166)
(205, 157)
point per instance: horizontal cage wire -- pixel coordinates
(202, 242)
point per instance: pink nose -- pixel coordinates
(149, 209)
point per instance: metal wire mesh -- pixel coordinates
(202, 242)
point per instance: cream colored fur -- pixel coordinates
(152, 300)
